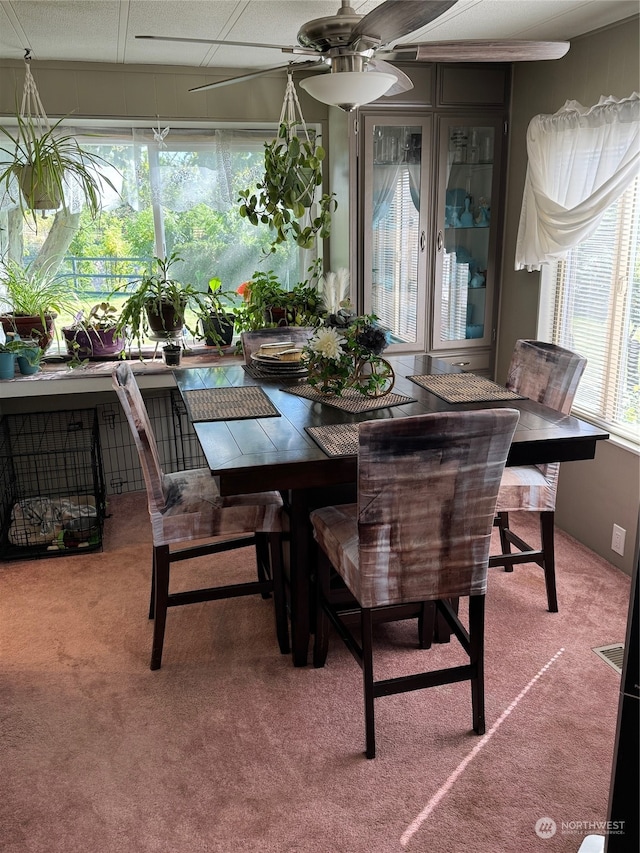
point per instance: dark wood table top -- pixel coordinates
(277, 453)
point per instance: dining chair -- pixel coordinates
(419, 533)
(550, 375)
(186, 507)
(252, 341)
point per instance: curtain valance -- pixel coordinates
(580, 160)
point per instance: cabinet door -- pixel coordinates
(395, 163)
(466, 231)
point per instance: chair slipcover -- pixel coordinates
(550, 375)
(186, 507)
(419, 533)
(427, 489)
(187, 504)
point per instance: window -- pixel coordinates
(591, 304)
(179, 194)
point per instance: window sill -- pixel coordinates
(56, 377)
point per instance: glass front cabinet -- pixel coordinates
(430, 188)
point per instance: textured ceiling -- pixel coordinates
(104, 30)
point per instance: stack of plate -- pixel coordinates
(281, 358)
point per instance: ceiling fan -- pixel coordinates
(352, 46)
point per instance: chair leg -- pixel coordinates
(505, 545)
(279, 599)
(476, 656)
(367, 675)
(161, 564)
(548, 558)
(321, 636)
(426, 624)
(262, 558)
(152, 596)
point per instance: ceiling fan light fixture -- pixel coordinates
(348, 89)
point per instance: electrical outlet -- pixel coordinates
(617, 539)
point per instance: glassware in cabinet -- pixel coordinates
(466, 235)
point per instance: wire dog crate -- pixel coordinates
(52, 492)
(178, 445)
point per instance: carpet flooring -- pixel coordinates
(230, 748)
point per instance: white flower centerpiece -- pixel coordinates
(348, 357)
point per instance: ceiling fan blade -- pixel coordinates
(479, 51)
(396, 18)
(242, 77)
(216, 41)
(403, 81)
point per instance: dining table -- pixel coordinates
(262, 431)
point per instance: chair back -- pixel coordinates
(427, 491)
(545, 373)
(126, 387)
(252, 341)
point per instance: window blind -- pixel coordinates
(594, 309)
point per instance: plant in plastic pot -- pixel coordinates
(172, 354)
(30, 357)
(9, 349)
(95, 336)
(218, 323)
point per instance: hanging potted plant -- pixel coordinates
(40, 162)
(286, 197)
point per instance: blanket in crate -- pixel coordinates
(43, 520)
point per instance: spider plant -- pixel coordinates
(33, 296)
(42, 160)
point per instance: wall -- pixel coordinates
(103, 90)
(592, 496)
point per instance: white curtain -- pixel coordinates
(580, 161)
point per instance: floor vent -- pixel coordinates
(612, 654)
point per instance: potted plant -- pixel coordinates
(29, 357)
(218, 323)
(267, 303)
(40, 161)
(34, 295)
(284, 198)
(157, 307)
(96, 336)
(9, 349)
(172, 354)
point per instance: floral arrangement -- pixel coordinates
(338, 358)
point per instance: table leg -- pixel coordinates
(299, 576)
(301, 559)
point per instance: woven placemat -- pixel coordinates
(464, 388)
(337, 439)
(256, 372)
(350, 400)
(229, 403)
